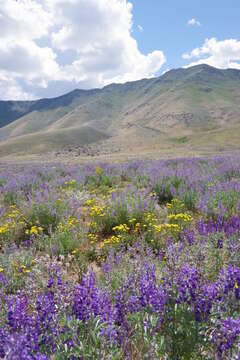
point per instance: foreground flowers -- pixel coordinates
(131, 261)
(171, 310)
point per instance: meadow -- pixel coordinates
(139, 260)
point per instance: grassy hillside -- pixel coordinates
(44, 142)
(189, 104)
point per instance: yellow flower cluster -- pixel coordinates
(152, 194)
(4, 229)
(164, 227)
(93, 238)
(14, 217)
(110, 191)
(72, 221)
(24, 269)
(21, 268)
(93, 225)
(175, 202)
(131, 221)
(137, 227)
(61, 226)
(151, 218)
(113, 240)
(74, 252)
(122, 228)
(90, 202)
(97, 210)
(14, 213)
(35, 230)
(99, 171)
(180, 217)
(70, 183)
(1, 269)
(210, 184)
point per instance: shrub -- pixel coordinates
(168, 188)
(61, 242)
(45, 215)
(224, 203)
(190, 198)
(16, 267)
(10, 198)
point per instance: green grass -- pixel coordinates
(136, 116)
(180, 140)
(50, 141)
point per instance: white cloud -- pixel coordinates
(22, 24)
(37, 37)
(193, 22)
(221, 54)
(27, 60)
(165, 71)
(24, 19)
(10, 89)
(106, 50)
(140, 28)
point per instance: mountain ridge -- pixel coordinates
(149, 113)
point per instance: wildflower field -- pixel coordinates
(121, 261)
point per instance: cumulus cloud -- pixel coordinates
(22, 24)
(10, 89)
(165, 71)
(140, 28)
(24, 19)
(221, 54)
(193, 22)
(82, 43)
(26, 59)
(100, 32)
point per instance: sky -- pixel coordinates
(50, 47)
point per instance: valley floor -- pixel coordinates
(120, 260)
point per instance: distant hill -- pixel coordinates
(193, 108)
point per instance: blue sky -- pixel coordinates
(50, 47)
(165, 25)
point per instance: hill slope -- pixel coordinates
(194, 108)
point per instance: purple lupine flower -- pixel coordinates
(225, 334)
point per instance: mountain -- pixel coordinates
(196, 108)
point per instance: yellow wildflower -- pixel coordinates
(121, 228)
(98, 171)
